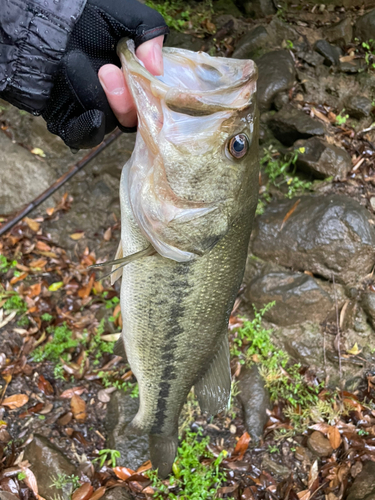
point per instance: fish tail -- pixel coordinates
(163, 450)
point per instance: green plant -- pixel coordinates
(113, 379)
(273, 449)
(191, 479)
(289, 44)
(62, 480)
(108, 454)
(369, 48)
(61, 342)
(5, 264)
(15, 303)
(280, 171)
(341, 118)
(46, 317)
(174, 12)
(21, 476)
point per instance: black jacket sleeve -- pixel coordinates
(33, 38)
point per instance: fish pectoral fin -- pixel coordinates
(116, 270)
(123, 261)
(119, 349)
(213, 390)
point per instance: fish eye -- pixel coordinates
(238, 146)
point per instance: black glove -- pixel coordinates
(78, 110)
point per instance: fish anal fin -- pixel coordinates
(213, 390)
(119, 349)
(116, 270)
(163, 451)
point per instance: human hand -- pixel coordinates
(114, 85)
(78, 109)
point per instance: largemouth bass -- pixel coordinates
(188, 198)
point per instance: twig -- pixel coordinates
(60, 182)
(338, 336)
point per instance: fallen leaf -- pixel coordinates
(242, 445)
(34, 409)
(69, 393)
(33, 224)
(334, 437)
(45, 386)
(50, 211)
(76, 236)
(354, 350)
(290, 213)
(85, 291)
(38, 152)
(40, 245)
(55, 286)
(320, 115)
(78, 407)
(16, 279)
(15, 401)
(123, 472)
(98, 493)
(146, 466)
(107, 235)
(84, 492)
(35, 290)
(304, 495)
(313, 474)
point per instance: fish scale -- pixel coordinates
(176, 300)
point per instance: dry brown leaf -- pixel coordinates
(313, 474)
(304, 495)
(50, 211)
(320, 115)
(16, 279)
(123, 472)
(15, 401)
(40, 245)
(33, 224)
(84, 492)
(35, 290)
(69, 393)
(85, 291)
(78, 407)
(76, 236)
(146, 466)
(242, 445)
(98, 493)
(334, 437)
(45, 386)
(107, 235)
(290, 213)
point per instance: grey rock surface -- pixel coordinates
(322, 159)
(319, 444)
(121, 410)
(363, 487)
(257, 8)
(255, 401)
(340, 33)
(330, 53)
(298, 297)
(47, 462)
(276, 74)
(117, 494)
(358, 106)
(23, 175)
(365, 27)
(290, 124)
(277, 468)
(368, 304)
(253, 44)
(326, 235)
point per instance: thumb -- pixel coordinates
(150, 53)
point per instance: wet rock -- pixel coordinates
(290, 124)
(297, 296)
(364, 484)
(323, 160)
(257, 8)
(340, 33)
(365, 27)
(358, 106)
(281, 100)
(312, 58)
(326, 235)
(330, 53)
(117, 494)
(121, 410)
(281, 31)
(352, 67)
(255, 401)
(251, 45)
(279, 469)
(23, 176)
(227, 7)
(47, 462)
(276, 74)
(319, 444)
(368, 304)
(183, 41)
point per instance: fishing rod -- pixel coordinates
(60, 182)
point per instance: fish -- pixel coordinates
(188, 198)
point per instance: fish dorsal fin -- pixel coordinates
(117, 270)
(213, 390)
